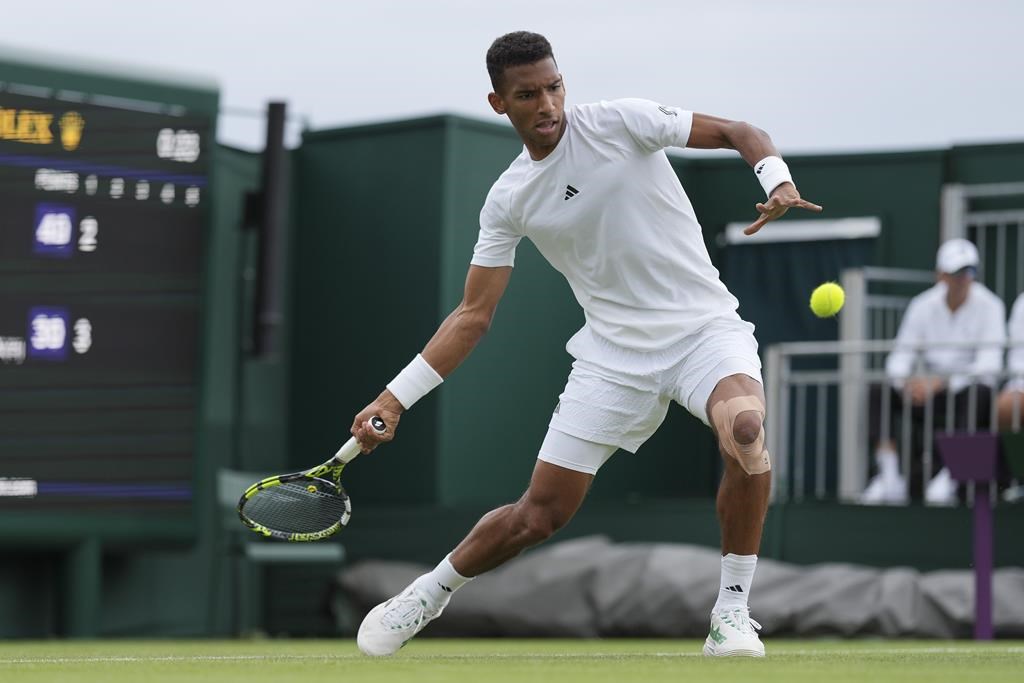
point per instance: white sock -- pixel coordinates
(442, 581)
(888, 463)
(737, 575)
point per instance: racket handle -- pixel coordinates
(351, 449)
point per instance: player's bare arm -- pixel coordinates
(454, 340)
(753, 144)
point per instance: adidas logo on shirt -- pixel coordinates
(570, 192)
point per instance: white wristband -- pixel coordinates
(415, 381)
(772, 172)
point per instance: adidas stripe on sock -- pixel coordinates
(440, 583)
(737, 575)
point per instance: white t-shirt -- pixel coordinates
(607, 211)
(928, 320)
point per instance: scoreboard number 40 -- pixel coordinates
(55, 229)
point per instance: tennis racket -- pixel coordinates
(304, 506)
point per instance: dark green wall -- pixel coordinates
(366, 294)
(494, 408)
(976, 164)
(902, 189)
(237, 173)
(993, 164)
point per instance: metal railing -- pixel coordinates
(817, 416)
(817, 391)
(997, 230)
(877, 298)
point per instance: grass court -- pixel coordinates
(497, 661)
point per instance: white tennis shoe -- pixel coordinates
(941, 490)
(393, 623)
(885, 489)
(733, 634)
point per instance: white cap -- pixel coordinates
(956, 254)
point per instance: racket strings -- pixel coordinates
(294, 508)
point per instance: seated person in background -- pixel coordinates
(1010, 404)
(956, 309)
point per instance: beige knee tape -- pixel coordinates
(752, 457)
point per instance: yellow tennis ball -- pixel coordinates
(827, 299)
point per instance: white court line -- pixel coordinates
(171, 658)
(553, 655)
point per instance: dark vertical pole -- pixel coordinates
(971, 458)
(983, 533)
(267, 319)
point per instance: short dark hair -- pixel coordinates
(515, 49)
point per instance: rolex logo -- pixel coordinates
(71, 125)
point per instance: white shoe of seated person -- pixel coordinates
(733, 634)
(885, 490)
(941, 490)
(393, 623)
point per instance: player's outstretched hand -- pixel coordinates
(784, 197)
(388, 409)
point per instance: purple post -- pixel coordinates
(982, 562)
(971, 458)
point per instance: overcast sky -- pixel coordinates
(820, 76)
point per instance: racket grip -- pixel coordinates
(351, 449)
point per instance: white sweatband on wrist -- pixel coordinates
(772, 172)
(415, 381)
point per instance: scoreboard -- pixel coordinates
(103, 222)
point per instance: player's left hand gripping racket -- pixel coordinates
(304, 506)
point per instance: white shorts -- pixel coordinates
(614, 406)
(572, 453)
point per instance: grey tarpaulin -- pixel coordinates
(591, 587)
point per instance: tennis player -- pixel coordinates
(595, 192)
